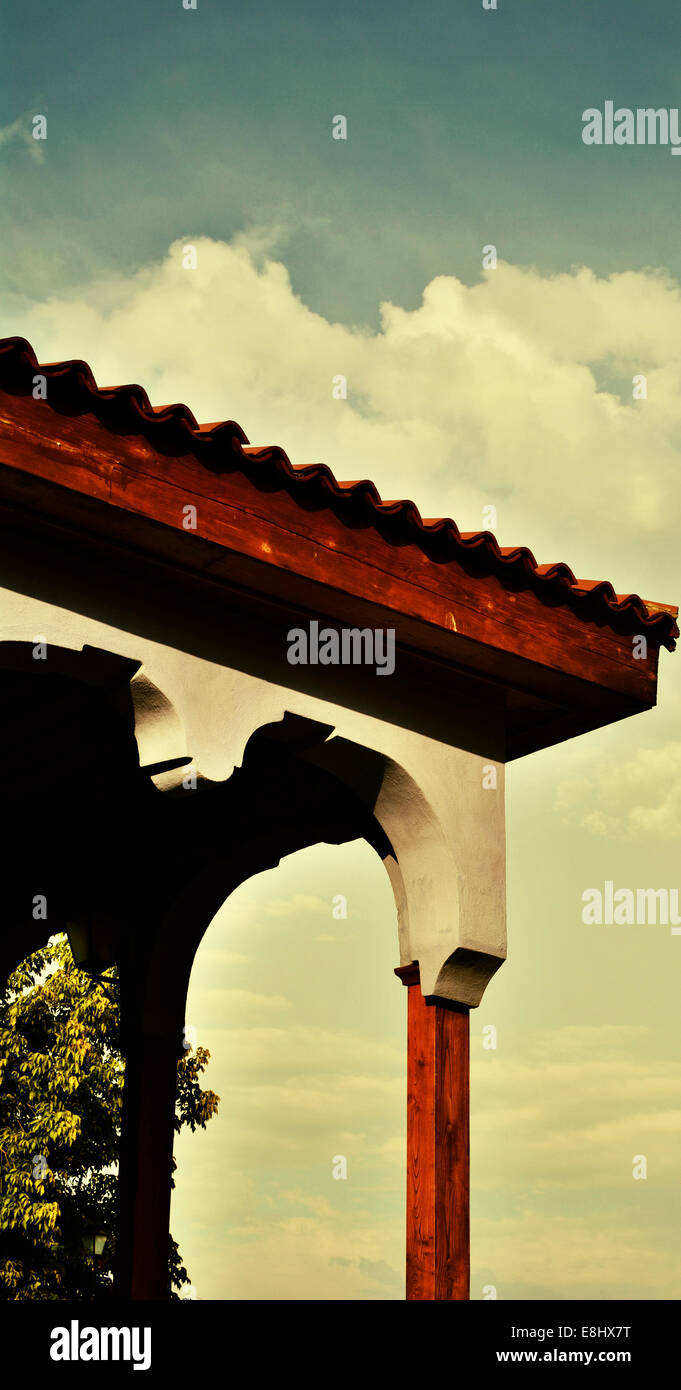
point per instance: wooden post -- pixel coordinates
(145, 1169)
(438, 1220)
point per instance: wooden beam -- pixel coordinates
(241, 524)
(438, 1146)
(145, 1170)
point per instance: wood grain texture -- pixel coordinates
(452, 1151)
(421, 1164)
(270, 526)
(145, 1161)
(438, 1149)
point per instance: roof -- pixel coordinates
(494, 649)
(223, 447)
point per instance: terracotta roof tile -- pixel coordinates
(223, 446)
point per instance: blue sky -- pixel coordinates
(463, 129)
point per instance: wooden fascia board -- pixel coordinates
(236, 522)
(53, 532)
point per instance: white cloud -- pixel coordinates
(239, 1003)
(213, 955)
(554, 1132)
(310, 1258)
(481, 395)
(336, 940)
(602, 1255)
(20, 132)
(574, 1110)
(291, 907)
(300, 1047)
(627, 797)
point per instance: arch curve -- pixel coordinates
(300, 785)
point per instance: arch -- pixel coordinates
(337, 788)
(283, 988)
(319, 788)
(166, 857)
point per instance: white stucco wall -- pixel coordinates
(446, 827)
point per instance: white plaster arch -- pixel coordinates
(447, 829)
(159, 731)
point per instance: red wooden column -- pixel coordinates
(438, 1146)
(151, 1043)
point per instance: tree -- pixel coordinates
(61, 1087)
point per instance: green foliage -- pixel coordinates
(61, 1089)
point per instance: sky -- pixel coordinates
(468, 386)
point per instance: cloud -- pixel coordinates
(293, 1096)
(291, 1244)
(301, 1048)
(603, 1255)
(573, 1110)
(554, 1130)
(220, 1002)
(213, 955)
(379, 1272)
(308, 1258)
(325, 936)
(629, 797)
(291, 907)
(20, 132)
(515, 392)
(489, 394)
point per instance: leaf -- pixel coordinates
(61, 1087)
